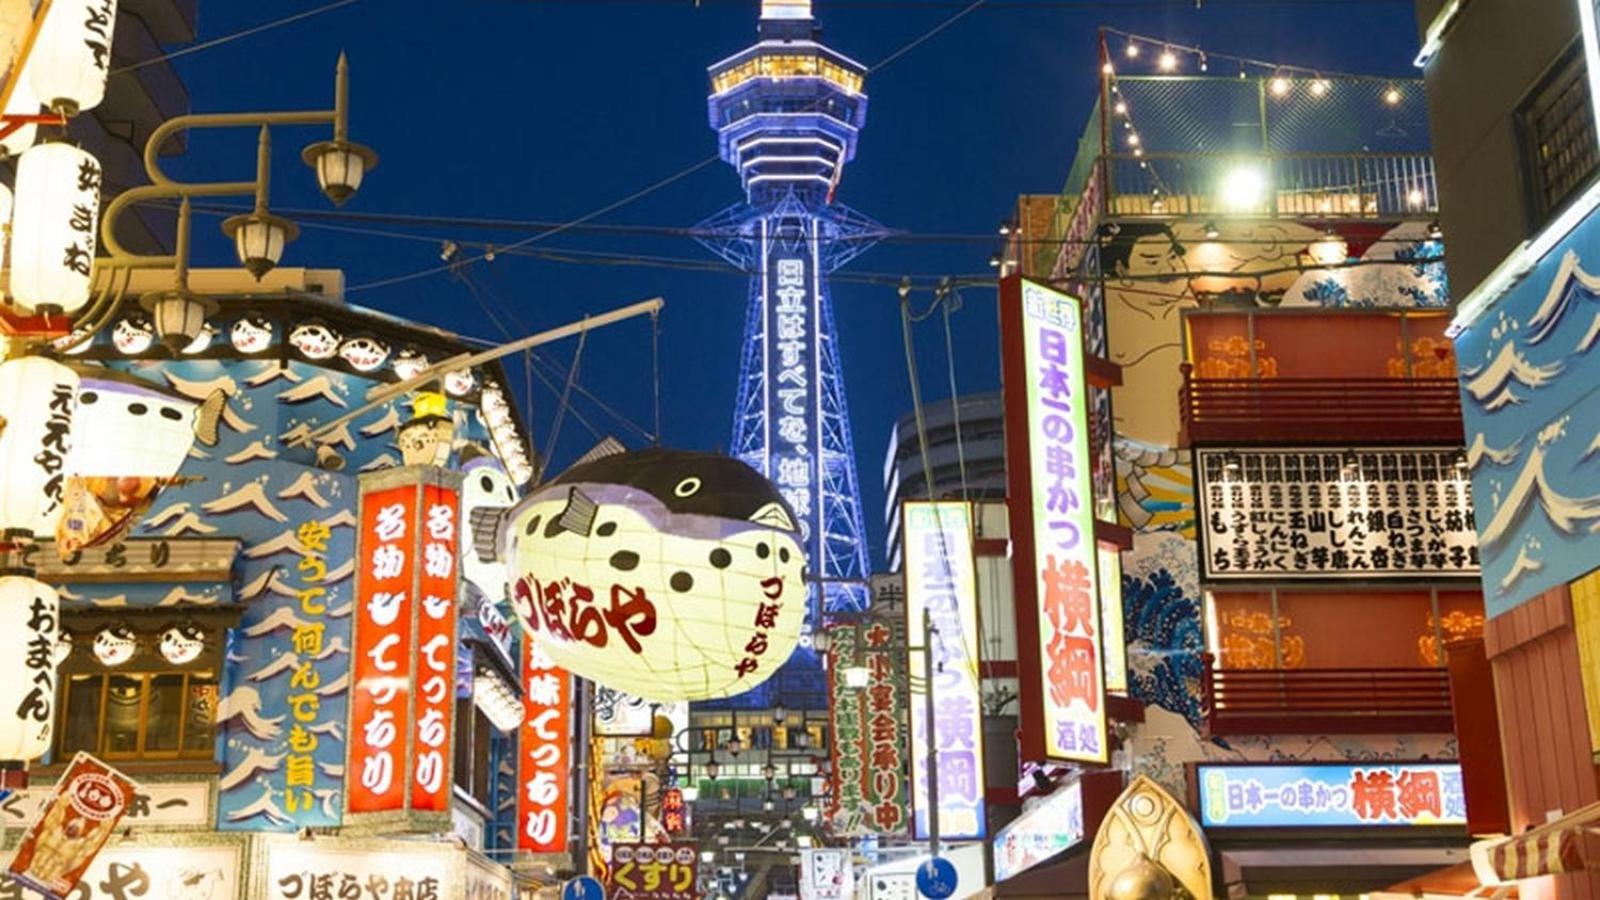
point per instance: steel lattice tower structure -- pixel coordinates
(787, 112)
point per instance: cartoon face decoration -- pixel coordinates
(492, 403)
(315, 340)
(128, 426)
(114, 645)
(364, 353)
(132, 335)
(460, 382)
(251, 334)
(181, 644)
(485, 486)
(409, 363)
(666, 574)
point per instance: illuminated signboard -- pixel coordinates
(869, 729)
(544, 743)
(402, 710)
(792, 323)
(941, 578)
(1331, 795)
(654, 872)
(1052, 526)
(1050, 827)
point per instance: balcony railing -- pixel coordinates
(1328, 701)
(1246, 411)
(1290, 185)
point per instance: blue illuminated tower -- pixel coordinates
(787, 112)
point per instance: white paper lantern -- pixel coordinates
(5, 224)
(28, 693)
(38, 401)
(22, 103)
(666, 574)
(72, 57)
(53, 230)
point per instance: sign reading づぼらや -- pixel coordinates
(1054, 559)
(402, 707)
(75, 823)
(1373, 512)
(941, 579)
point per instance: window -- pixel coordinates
(1319, 629)
(474, 759)
(141, 686)
(1560, 149)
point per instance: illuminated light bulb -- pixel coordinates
(1133, 50)
(1203, 66)
(1137, 152)
(1133, 139)
(1121, 108)
(1319, 87)
(1391, 95)
(1168, 60)
(1244, 187)
(1106, 69)
(1279, 85)
(1414, 197)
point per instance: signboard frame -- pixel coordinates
(1198, 795)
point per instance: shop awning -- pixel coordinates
(1457, 882)
(1337, 869)
(1569, 844)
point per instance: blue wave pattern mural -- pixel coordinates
(1530, 395)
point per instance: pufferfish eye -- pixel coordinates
(687, 487)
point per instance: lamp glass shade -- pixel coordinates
(178, 319)
(38, 401)
(27, 699)
(857, 676)
(339, 171)
(70, 61)
(54, 226)
(259, 243)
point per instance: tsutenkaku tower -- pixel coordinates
(787, 112)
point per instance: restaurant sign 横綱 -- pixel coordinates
(1330, 795)
(1373, 512)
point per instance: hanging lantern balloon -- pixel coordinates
(72, 57)
(53, 230)
(38, 401)
(666, 574)
(27, 699)
(22, 103)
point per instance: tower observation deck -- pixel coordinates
(787, 112)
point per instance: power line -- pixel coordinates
(228, 38)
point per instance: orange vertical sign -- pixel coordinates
(380, 720)
(436, 651)
(545, 746)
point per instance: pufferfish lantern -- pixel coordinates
(667, 574)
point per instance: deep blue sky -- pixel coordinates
(546, 111)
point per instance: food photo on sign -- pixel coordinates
(58, 848)
(668, 574)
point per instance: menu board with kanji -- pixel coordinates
(1391, 512)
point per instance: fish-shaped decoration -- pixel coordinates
(668, 574)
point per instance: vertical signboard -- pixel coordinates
(941, 578)
(544, 748)
(870, 730)
(436, 651)
(1048, 465)
(74, 824)
(402, 709)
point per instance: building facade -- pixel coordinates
(966, 450)
(1518, 155)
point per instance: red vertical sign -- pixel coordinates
(544, 743)
(382, 658)
(436, 651)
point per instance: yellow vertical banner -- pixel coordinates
(1586, 624)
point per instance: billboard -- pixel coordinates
(1051, 826)
(1059, 640)
(1331, 795)
(870, 729)
(941, 578)
(653, 872)
(402, 711)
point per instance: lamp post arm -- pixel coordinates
(124, 257)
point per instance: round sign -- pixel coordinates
(936, 878)
(583, 888)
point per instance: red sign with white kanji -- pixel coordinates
(436, 650)
(544, 746)
(380, 697)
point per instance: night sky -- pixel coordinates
(539, 111)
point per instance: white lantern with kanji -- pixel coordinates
(666, 574)
(38, 402)
(30, 612)
(72, 56)
(54, 227)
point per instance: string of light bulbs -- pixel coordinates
(1281, 77)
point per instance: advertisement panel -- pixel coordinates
(1331, 795)
(124, 872)
(825, 874)
(1377, 512)
(306, 870)
(1053, 825)
(433, 730)
(941, 579)
(1059, 641)
(653, 872)
(870, 728)
(61, 844)
(380, 708)
(544, 745)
